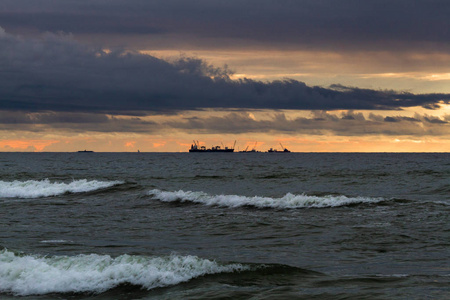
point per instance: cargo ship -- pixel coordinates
(195, 147)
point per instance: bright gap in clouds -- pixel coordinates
(424, 73)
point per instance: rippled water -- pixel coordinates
(208, 225)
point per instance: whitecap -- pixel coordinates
(46, 188)
(34, 275)
(56, 242)
(288, 201)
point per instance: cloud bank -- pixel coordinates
(326, 24)
(57, 73)
(346, 123)
(320, 123)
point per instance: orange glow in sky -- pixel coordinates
(29, 145)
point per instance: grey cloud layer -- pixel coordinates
(56, 73)
(318, 123)
(321, 123)
(372, 24)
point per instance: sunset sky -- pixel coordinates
(313, 75)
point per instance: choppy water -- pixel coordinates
(215, 226)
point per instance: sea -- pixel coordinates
(224, 226)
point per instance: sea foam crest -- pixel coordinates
(33, 275)
(288, 201)
(46, 188)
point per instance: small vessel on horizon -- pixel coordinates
(285, 150)
(250, 151)
(85, 151)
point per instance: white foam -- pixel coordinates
(46, 188)
(286, 202)
(33, 275)
(56, 242)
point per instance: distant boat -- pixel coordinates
(285, 150)
(85, 151)
(197, 148)
(250, 151)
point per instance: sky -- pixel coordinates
(308, 75)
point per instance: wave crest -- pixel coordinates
(289, 201)
(46, 188)
(33, 275)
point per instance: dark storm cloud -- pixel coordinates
(56, 73)
(75, 23)
(372, 24)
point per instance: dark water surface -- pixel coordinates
(228, 225)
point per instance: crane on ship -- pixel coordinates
(284, 149)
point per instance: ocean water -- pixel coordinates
(224, 226)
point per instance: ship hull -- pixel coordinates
(211, 150)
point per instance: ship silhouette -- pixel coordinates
(195, 147)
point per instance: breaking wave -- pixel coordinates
(34, 275)
(46, 188)
(289, 201)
